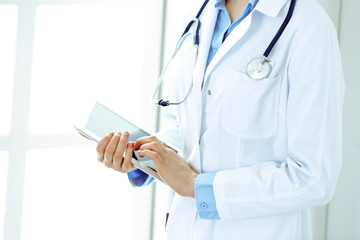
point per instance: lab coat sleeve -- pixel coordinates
(169, 132)
(308, 175)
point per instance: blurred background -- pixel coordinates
(57, 57)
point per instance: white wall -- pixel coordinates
(320, 214)
(344, 210)
(341, 218)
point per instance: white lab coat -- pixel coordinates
(276, 143)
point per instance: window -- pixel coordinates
(87, 53)
(70, 194)
(8, 17)
(57, 58)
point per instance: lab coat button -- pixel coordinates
(203, 205)
(209, 92)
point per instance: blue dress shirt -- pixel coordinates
(204, 193)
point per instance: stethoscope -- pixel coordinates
(257, 69)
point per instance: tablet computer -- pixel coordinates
(102, 120)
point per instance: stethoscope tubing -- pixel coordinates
(165, 103)
(196, 43)
(281, 29)
(197, 18)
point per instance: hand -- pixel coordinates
(110, 151)
(172, 168)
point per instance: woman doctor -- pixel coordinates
(256, 155)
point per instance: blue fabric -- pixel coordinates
(223, 26)
(204, 196)
(138, 178)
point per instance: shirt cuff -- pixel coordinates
(138, 178)
(205, 197)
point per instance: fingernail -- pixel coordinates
(126, 134)
(110, 133)
(118, 134)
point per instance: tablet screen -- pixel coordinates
(102, 120)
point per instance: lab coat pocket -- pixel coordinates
(250, 107)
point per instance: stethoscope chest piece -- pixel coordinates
(258, 68)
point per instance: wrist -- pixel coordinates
(192, 185)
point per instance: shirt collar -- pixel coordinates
(220, 4)
(253, 2)
(268, 7)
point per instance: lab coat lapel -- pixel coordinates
(231, 40)
(206, 32)
(270, 8)
(208, 21)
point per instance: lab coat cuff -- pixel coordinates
(205, 197)
(138, 178)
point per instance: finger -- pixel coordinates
(126, 165)
(144, 140)
(110, 150)
(153, 146)
(119, 153)
(150, 154)
(100, 148)
(167, 149)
